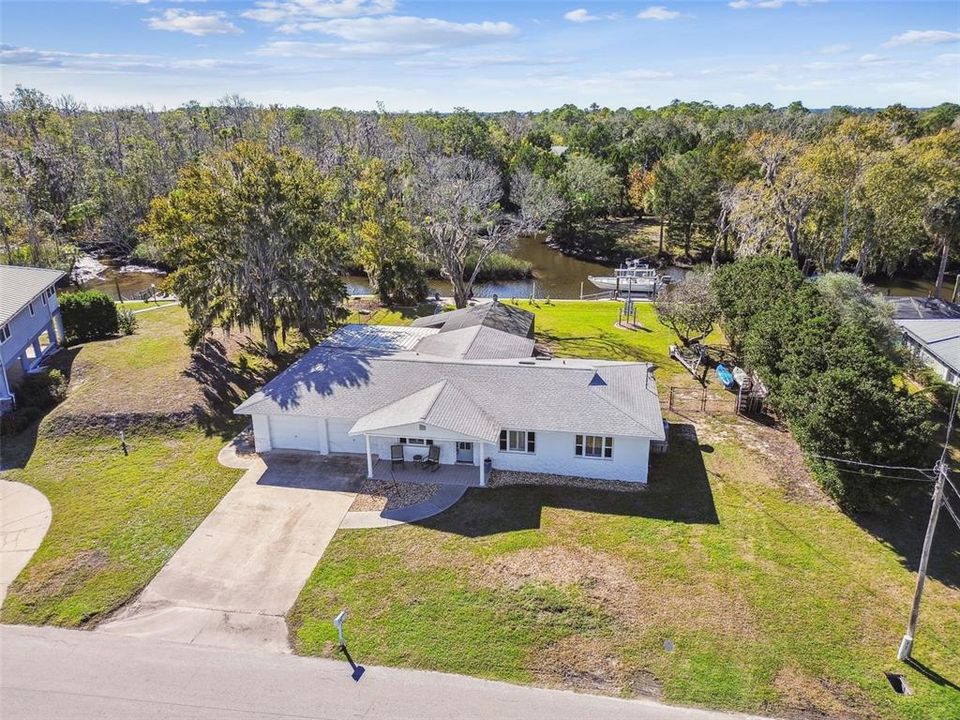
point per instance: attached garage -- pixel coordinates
(340, 439)
(293, 432)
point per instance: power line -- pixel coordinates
(952, 513)
(873, 465)
(886, 477)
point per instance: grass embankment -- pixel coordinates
(773, 600)
(118, 518)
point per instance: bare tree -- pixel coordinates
(456, 202)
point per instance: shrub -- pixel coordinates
(36, 394)
(88, 315)
(127, 322)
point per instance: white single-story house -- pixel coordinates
(460, 382)
(30, 323)
(931, 330)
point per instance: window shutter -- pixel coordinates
(608, 447)
(503, 441)
(531, 442)
(578, 450)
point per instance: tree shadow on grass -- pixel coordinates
(678, 491)
(902, 524)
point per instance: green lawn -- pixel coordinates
(117, 519)
(775, 602)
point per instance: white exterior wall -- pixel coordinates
(261, 433)
(554, 450)
(25, 329)
(555, 455)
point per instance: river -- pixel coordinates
(556, 276)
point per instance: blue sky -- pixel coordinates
(484, 55)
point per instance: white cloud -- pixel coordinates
(192, 23)
(658, 12)
(769, 4)
(871, 58)
(923, 37)
(390, 35)
(271, 11)
(580, 15)
(405, 34)
(835, 49)
(114, 63)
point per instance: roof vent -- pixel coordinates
(597, 381)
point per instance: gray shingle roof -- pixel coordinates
(441, 405)
(496, 315)
(559, 395)
(474, 343)
(20, 285)
(940, 337)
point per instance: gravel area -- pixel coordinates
(380, 495)
(504, 478)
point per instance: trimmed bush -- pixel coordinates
(88, 315)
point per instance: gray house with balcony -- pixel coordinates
(30, 324)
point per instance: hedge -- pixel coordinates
(88, 315)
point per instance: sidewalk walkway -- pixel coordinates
(24, 518)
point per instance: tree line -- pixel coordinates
(246, 202)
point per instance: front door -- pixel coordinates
(465, 452)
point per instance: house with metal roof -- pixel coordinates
(931, 331)
(474, 397)
(30, 324)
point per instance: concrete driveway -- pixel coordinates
(24, 518)
(233, 581)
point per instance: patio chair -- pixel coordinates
(396, 456)
(432, 461)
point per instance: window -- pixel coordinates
(30, 308)
(594, 446)
(4, 333)
(50, 292)
(518, 441)
(415, 441)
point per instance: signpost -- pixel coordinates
(338, 624)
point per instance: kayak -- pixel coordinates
(725, 376)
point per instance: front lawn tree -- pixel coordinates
(456, 203)
(689, 307)
(253, 238)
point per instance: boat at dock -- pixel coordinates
(633, 277)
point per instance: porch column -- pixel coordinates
(369, 458)
(483, 480)
(60, 334)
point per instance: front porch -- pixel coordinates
(411, 472)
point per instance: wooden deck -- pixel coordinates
(411, 472)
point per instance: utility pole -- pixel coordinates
(906, 644)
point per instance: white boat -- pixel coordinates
(633, 278)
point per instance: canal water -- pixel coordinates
(556, 276)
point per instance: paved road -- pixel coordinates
(24, 518)
(233, 580)
(73, 675)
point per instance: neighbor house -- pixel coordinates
(931, 330)
(30, 323)
(467, 383)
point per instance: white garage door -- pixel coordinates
(290, 432)
(340, 441)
